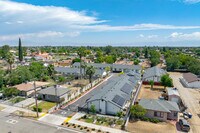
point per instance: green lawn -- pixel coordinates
(16, 100)
(46, 105)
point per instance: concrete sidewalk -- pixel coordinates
(53, 119)
(12, 109)
(25, 102)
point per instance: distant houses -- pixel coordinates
(114, 96)
(160, 109)
(76, 71)
(190, 80)
(153, 73)
(113, 67)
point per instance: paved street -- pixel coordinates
(15, 124)
(81, 101)
(189, 99)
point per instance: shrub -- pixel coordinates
(99, 130)
(93, 129)
(81, 128)
(154, 120)
(85, 127)
(145, 119)
(39, 109)
(88, 130)
(73, 124)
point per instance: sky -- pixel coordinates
(100, 22)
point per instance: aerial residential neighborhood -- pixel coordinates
(99, 66)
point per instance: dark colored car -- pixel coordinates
(185, 126)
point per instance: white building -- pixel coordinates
(190, 80)
(115, 96)
(173, 95)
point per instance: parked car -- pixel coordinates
(185, 126)
(187, 115)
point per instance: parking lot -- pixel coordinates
(70, 109)
(191, 99)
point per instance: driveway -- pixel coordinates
(80, 102)
(25, 102)
(190, 101)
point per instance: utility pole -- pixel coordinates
(56, 94)
(36, 99)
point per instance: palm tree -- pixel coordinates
(90, 71)
(10, 59)
(81, 53)
(84, 66)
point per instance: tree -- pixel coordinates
(10, 59)
(109, 59)
(90, 71)
(146, 54)
(137, 111)
(51, 70)
(2, 73)
(39, 70)
(9, 92)
(81, 53)
(20, 51)
(84, 66)
(4, 51)
(166, 81)
(93, 108)
(151, 82)
(107, 69)
(76, 60)
(136, 61)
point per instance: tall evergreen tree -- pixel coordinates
(20, 51)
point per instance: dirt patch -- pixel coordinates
(147, 127)
(1, 108)
(148, 93)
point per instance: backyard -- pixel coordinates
(148, 93)
(145, 127)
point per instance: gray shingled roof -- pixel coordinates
(51, 91)
(118, 66)
(159, 105)
(114, 88)
(172, 91)
(73, 70)
(153, 71)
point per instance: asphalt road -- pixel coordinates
(81, 102)
(16, 124)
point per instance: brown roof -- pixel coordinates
(190, 77)
(29, 86)
(25, 87)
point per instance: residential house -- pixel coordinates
(160, 109)
(54, 94)
(76, 71)
(115, 96)
(173, 95)
(27, 89)
(114, 67)
(153, 73)
(190, 80)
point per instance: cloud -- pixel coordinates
(141, 35)
(32, 35)
(183, 36)
(191, 1)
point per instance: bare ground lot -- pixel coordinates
(147, 127)
(191, 98)
(148, 93)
